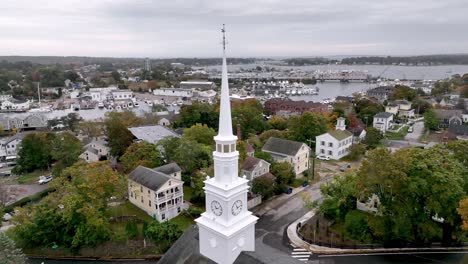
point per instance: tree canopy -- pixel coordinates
(141, 153)
(307, 126)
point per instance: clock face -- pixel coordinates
(216, 208)
(236, 207)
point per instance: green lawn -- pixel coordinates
(188, 193)
(128, 209)
(183, 220)
(398, 135)
(32, 177)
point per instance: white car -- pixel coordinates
(44, 179)
(323, 157)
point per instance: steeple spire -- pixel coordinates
(225, 122)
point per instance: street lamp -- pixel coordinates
(311, 156)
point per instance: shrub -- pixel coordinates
(356, 226)
(132, 229)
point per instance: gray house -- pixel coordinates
(254, 167)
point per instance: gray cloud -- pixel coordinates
(255, 28)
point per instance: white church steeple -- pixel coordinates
(226, 228)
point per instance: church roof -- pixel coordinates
(340, 134)
(186, 250)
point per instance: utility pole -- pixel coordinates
(311, 156)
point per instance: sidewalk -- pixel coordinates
(297, 241)
(276, 201)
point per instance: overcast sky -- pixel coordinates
(190, 28)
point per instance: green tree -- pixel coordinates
(141, 153)
(201, 113)
(9, 253)
(200, 133)
(430, 120)
(283, 171)
(373, 137)
(120, 138)
(35, 152)
(264, 156)
(116, 76)
(131, 229)
(403, 92)
(249, 115)
(464, 91)
(66, 149)
(307, 126)
(356, 152)
(366, 109)
(279, 123)
(264, 186)
(165, 233)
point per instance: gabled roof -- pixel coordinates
(249, 148)
(169, 168)
(383, 115)
(340, 134)
(149, 178)
(282, 146)
(442, 113)
(152, 134)
(250, 163)
(92, 150)
(460, 130)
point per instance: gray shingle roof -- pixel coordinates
(152, 134)
(186, 250)
(168, 168)
(92, 150)
(149, 178)
(282, 146)
(383, 115)
(250, 163)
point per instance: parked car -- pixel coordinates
(344, 167)
(7, 217)
(323, 157)
(44, 179)
(5, 173)
(410, 129)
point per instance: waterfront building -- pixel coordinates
(336, 144)
(273, 106)
(381, 93)
(199, 85)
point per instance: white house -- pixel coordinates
(9, 147)
(401, 108)
(383, 121)
(173, 92)
(254, 167)
(100, 145)
(160, 195)
(90, 155)
(335, 144)
(122, 94)
(293, 152)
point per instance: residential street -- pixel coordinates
(418, 129)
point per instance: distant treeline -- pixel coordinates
(414, 60)
(52, 60)
(308, 61)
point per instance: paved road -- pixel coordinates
(418, 129)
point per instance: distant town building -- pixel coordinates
(293, 152)
(274, 105)
(335, 144)
(383, 121)
(381, 93)
(160, 195)
(9, 147)
(199, 85)
(400, 108)
(31, 121)
(147, 65)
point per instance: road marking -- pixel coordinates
(300, 254)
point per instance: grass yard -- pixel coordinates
(188, 193)
(398, 135)
(128, 209)
(32, 177)
(183, 220)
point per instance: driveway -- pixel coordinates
(418, 129)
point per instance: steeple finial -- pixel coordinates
(224, 37)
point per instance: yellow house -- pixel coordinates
(293, 152)
(159, 194)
